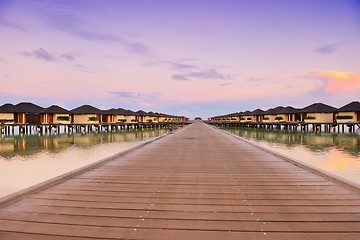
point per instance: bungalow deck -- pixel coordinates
(350, 127)
(50, 128)
(194, 183)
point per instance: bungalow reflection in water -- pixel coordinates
(11, 146)
(349, 143)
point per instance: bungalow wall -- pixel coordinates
(258, 118)
(61, 118)
(7, 118)
(350, 116)
(119, 118)
(162, 119)
(319, 117)
(111, 118)
(247, 118)
(130, 119)
(55, 118)
(237, 118)
(281, 118)
(269, 118)
(84, 118)
(140, 119)
(286, 117)
(234, 119)
(174, 119)
(151, 119)
(32, 118)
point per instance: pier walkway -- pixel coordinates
(196, 183)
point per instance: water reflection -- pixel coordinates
(316, 142)
(11, 146)
(28, 160)
(336, 153)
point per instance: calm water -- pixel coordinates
(335, 153)
(25, 161)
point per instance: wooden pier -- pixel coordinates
(29, 129)
(350, 127)
(194, 183)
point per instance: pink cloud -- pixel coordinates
(337, 81)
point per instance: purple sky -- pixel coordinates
(192, 58)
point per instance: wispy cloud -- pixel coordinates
(44, 55)
(327, 49)
(255, 79)
(208, 74)
(40, 54)
(82, 68)
(68, 56)
(140, 99)
(64, 17)
(181, 66)
(12, 25)
(180, 77)
(224, 84)
(188, 69)
(127, 94)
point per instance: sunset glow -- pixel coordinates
(339, 82)
(202, 58)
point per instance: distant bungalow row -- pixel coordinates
(317, 113)
(32, 114)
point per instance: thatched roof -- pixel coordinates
(318, 108)
(129, 112)
(27, 107)
(55, 109)
(110, 111)
(351, 107)
(152, 114)
(288, 110)
(86, 109)
(246, 113)
(141, 113)
(269, 111)
(277, 110)
(120, 111)
(7, 108)
(257, 112)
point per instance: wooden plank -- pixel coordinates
(197, 183)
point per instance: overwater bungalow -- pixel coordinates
(257, 115)
(234, 117)
(318, 113)
(7, 114)
(246, 116)
(55, 114)
(152, 117)
(269, 116)
(349, 113)
(130, 116)
(119, 115)
(86, 114)
(140, 116)
(115, 115)
(231, 117)
(172, 118)
(162, 117)
(287, 114)
(27, 113)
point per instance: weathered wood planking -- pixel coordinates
(197, 183)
